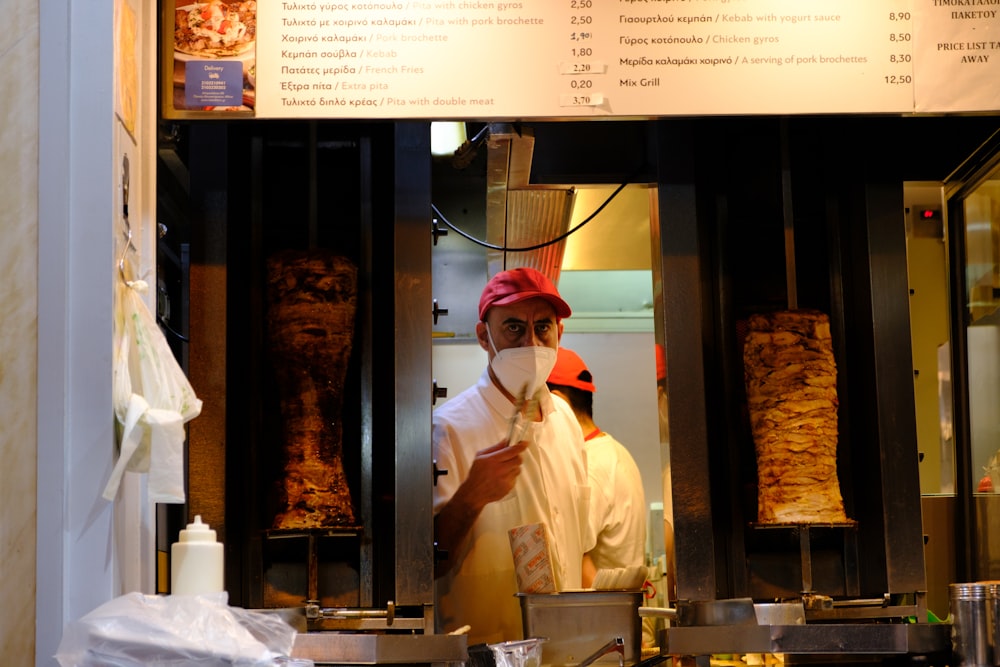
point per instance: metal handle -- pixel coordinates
(659, 612)
(616, 645)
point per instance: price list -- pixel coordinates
(777, 57)
(456, 59)
(584, 68)
(957, 64)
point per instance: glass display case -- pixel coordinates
(981, 223)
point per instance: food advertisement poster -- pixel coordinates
(568, 59)
(209, 51)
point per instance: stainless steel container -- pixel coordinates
(575, 624)
(993, 619)
(969, 630)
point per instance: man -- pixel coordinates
(663, 404)
(493, 485)
(617, 501)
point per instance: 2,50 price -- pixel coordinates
(583, 19)
(581, 4)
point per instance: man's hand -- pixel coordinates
(492, 474)
(491, 477)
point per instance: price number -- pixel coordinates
(581, 4)
(583, 19)
(581, 100)
(580, 36)
(582, 51)
(900, 57)
(900, 37)
(898, 79)
(900, 16)
(589, 67)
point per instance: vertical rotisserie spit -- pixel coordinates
(791, 384)
(311, 300)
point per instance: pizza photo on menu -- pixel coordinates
(215, 29)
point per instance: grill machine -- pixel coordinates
(360, 594)
(812, 592)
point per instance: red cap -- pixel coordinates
(568, 369)
(661, 363)
(515, 285)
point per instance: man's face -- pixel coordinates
(531, 322)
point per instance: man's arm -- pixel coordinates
(491, 477)
(589, 570)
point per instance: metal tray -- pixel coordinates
(575, 624)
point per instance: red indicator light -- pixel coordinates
(928, 214)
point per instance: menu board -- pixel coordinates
(458, 59)
(958, 61)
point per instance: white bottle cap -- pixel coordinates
(197, 532)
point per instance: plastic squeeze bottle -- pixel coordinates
(196, 561)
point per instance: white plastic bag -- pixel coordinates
(137, 630)
(152, 399)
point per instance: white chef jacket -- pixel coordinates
(552, 488)
(617, 504)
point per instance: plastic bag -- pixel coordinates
(521, 653)
(137, 630)
(152, 399)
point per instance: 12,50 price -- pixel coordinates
(898, 79)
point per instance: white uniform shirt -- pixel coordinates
(617, 504)
(552, 488)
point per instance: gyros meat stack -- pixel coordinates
(311, 307)
(791, 384)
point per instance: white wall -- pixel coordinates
(88, 550)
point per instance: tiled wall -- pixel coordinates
(19, 69)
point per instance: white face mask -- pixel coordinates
(520, 368)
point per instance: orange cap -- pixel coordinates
(661, 363)
(568, 371)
